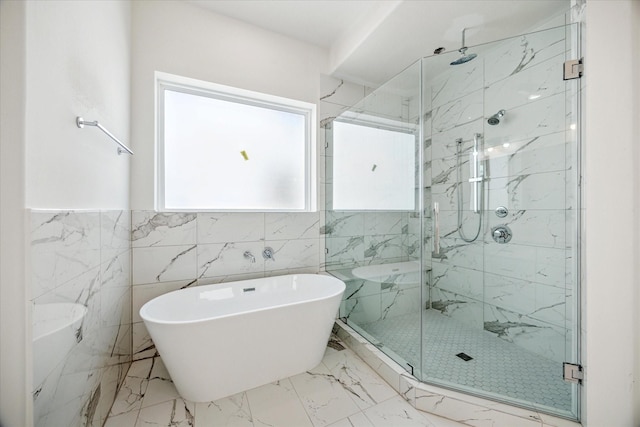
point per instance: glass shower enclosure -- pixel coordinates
(451, 201)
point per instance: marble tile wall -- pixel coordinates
(83, 258)
(520, 291)
(171, 251)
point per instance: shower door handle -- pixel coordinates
(436, 229)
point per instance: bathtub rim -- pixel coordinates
(338, 292)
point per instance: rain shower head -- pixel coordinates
(495, 119)
(463, 59)
(463, 50)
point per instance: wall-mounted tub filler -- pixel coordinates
(248, 255)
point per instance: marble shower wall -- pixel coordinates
(520, 291)
(360, 238)
(172, 251)
(82, 258)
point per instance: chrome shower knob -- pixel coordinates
(501, 234)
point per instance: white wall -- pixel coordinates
(14, 404)
(59, 59)
(77, 65)
(612, 215)
(186, 40)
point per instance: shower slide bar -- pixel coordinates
(80, 122)
(476, 174)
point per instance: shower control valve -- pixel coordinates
(501, 234)
(268, 253)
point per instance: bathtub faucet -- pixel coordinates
(268, 254)
(248, 255)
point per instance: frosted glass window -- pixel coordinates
(373, 169)
(226, 152)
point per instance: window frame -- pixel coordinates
(165, 81)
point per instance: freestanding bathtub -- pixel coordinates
(218, 340)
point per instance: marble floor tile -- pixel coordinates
(174, 413)
(122, 420)
(129, 398)
(160, 388)
(131, 393)
(232, 411)
(366, 388)
(397, 412)
(277, 404)
(343, 391)
(357, 420)
(323, 396)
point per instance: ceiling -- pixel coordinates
(369, 41)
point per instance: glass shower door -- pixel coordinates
(501, 161)
(373, 227)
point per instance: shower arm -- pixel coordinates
(476, 173)
(463, 48)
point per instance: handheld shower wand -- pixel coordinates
(476, 181)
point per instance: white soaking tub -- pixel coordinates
(218, 340)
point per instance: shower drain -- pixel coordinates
(464, 357)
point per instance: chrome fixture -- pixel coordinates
(501, 211)
(248, 255)
(573, 69)
(476, 180)
(501, 234)
(436, 230)
(80, 122)
(495, 119)
(463, 49)
(268, 254)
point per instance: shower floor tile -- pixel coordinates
(497, 367)
(341, 391)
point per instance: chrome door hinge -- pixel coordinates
(573, 373)
(573, 69)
